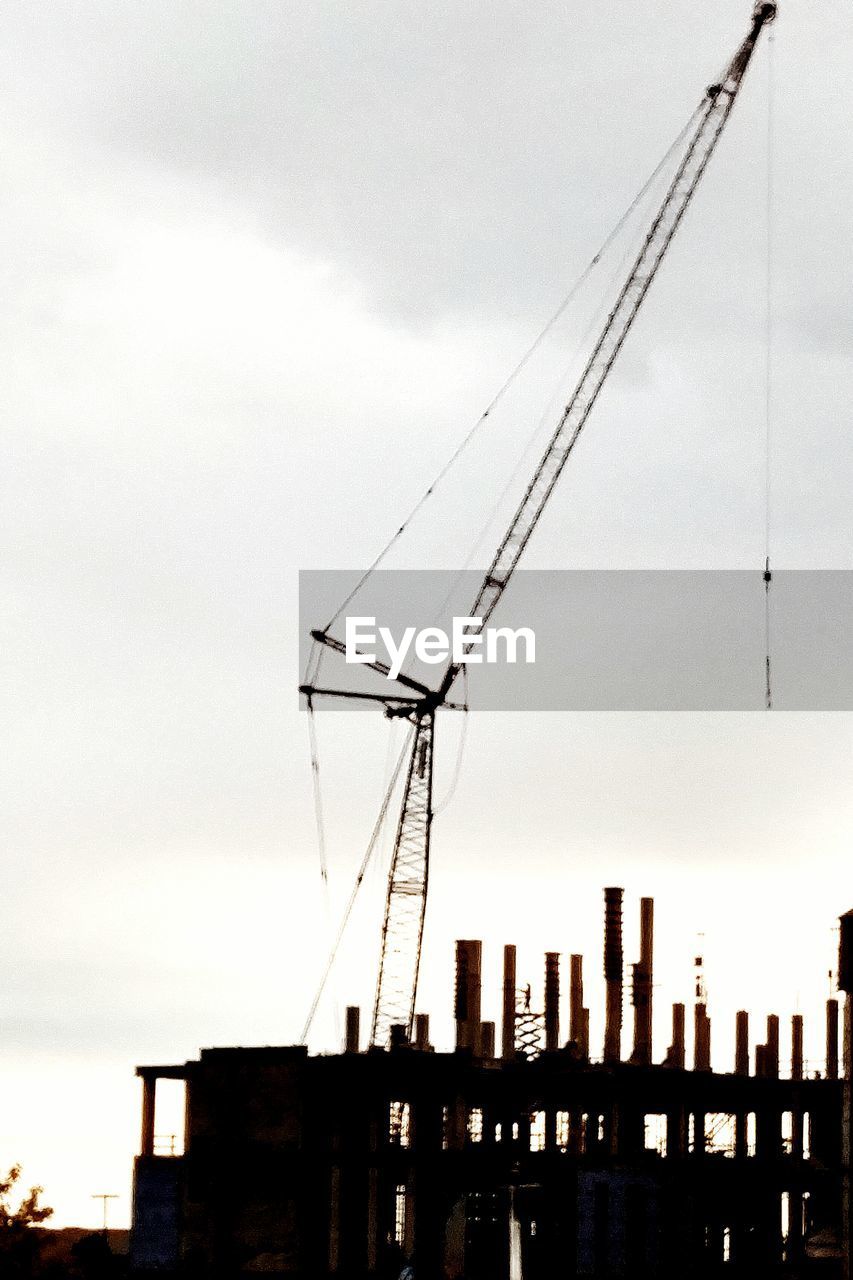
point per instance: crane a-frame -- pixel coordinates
(405, 905)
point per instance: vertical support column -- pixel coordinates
(468, 984)
(797, 1047)
(643, 983)
(676, 1131)
(676, 1054)
(579, 1035)
(508, 1024)
(552, 1001)
(149, 1100)
(613, 962)
(797, 1117)
(832, 1039)
(334, 1218)
(422, 1031)
(353, 1028)
(372, 1219)
(845, 984)
(487, 1039)
(741, 1069)
(576, 1002)
(701, 1039)
(741, 1043)
(771, 1049)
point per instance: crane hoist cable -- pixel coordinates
(521, 365)
(359, 881)
(544, 422)
(768, 371)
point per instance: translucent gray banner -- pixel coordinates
(602, 640)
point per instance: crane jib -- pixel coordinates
(405, 907)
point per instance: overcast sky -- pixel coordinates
(264, 264)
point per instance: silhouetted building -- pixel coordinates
(475, 1165)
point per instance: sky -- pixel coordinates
(264, 265)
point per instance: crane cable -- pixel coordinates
(314, 751)
(359, 880)
(460, 750)
(525, 359)
(544, 421)
(768, 372)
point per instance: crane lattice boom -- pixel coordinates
(402, 931)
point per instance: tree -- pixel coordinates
(20, 1240)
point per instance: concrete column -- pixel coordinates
(676, 1055)
(487, 1039)
(552, 1001)
(576, 1000)
(353, 1028)
(701, 1039)
(797, 1047)
(676, 1131)
(372, 1218)
(741, 1043)
(771, 1059)
(508, 1024)
(845, 984)
(149, 1097)
(422, 1031)
(334, 1218)
(643, 983)
(847, 1130)
(585, 1040)
(613, 965)
(832, 1039)
(468, 984)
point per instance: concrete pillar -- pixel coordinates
(398, 1036)
(741, 1043)
(508, 1024)
(585, 1041)
(701, 1039)
(372, 1218)
(832, 1039)
(643, 983)
(149, 1099)
(469, 957)
(676, 1055)
(487, 1039)
(353, 1030)
(797, 1047)
(796, 1122)
(576, 1000)
(552, 1001)
(845, 984)
(676, 1131)
(613, 965)
(422, 1031)
(771, 1057)
(335, 1217)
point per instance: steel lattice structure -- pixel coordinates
(402, 930)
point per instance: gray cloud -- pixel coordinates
(261, 265)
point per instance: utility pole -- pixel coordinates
(105, 1197)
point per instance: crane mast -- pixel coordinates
(405, 906)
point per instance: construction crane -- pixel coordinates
(405, 904)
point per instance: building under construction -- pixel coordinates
(518, 1156)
